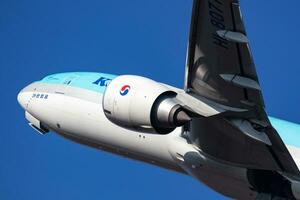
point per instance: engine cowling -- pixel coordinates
(142, 104)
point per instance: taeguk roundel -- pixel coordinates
(124, 90)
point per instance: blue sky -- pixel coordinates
(146, 38)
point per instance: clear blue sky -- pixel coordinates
(146, 38)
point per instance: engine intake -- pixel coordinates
(142, 104)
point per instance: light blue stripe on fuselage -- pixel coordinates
(97, 82)
(288, 131)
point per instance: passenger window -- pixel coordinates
(38, 96)
(42, 96)
(46, 96)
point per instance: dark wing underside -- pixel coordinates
(220, 69)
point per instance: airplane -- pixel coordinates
(215, 129)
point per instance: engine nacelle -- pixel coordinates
(142, 104)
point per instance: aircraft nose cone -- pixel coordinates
(25, 95)
(23, 98)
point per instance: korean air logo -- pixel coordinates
(102, 81)
(124, 90)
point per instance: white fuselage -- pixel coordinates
(84, 121)
(77, 114)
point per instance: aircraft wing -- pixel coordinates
(220, 71)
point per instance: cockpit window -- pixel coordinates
(63, 78)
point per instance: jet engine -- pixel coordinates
(142, 104)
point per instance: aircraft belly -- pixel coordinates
(84, 121)
(225, 179)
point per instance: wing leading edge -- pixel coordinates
(220, 70)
